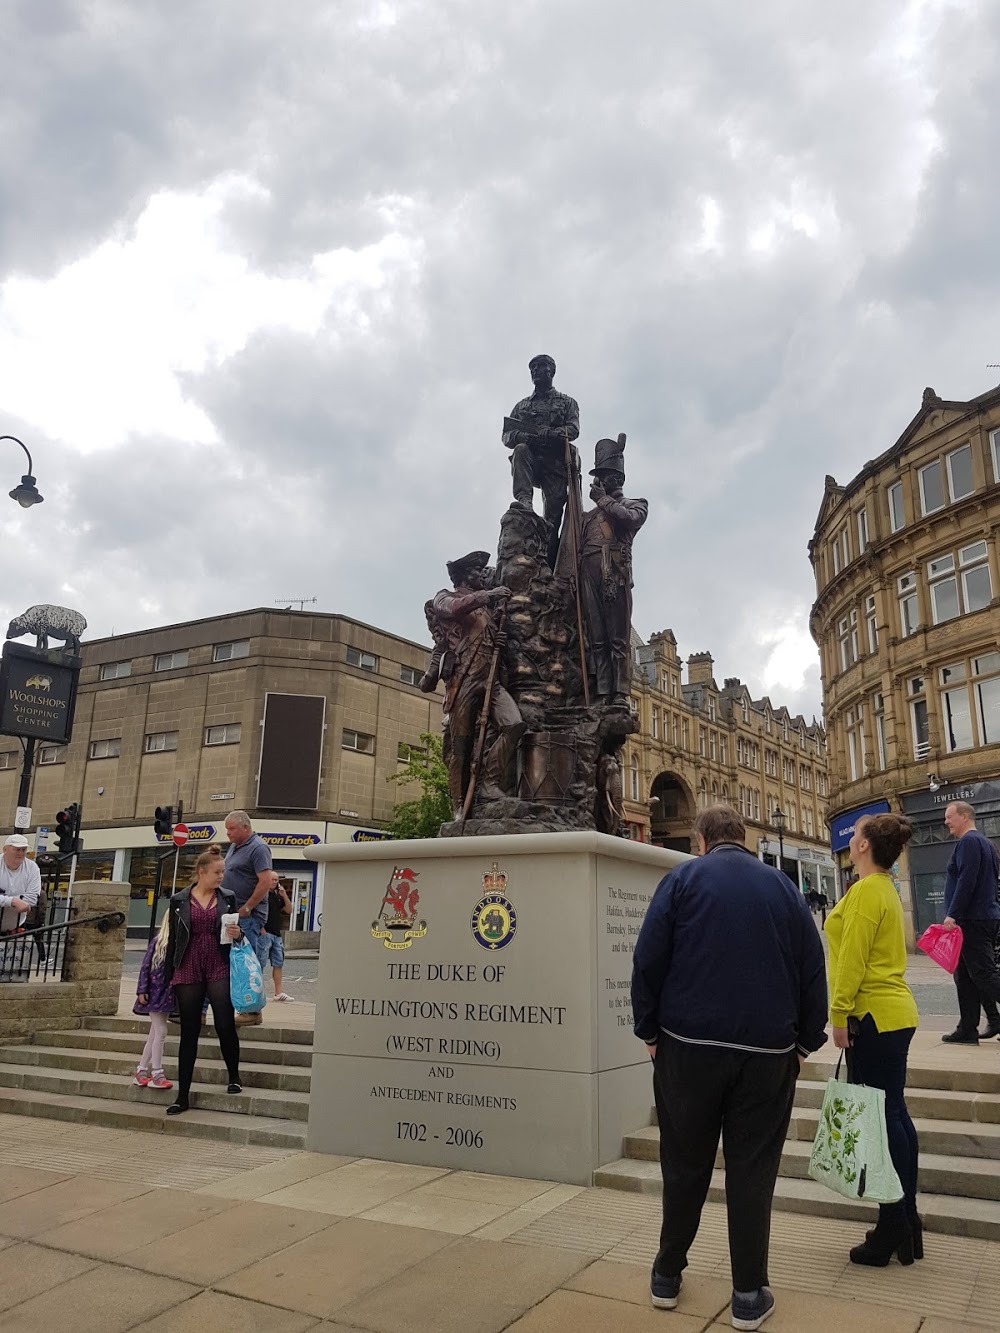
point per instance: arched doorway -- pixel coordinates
(671, 812)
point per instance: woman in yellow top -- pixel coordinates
(874, 1017)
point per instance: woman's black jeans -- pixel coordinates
(879, 1060)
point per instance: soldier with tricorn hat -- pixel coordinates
(469, 633)
(606, 539)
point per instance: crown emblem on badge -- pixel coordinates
(495, 879)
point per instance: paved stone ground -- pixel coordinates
(103, 1231)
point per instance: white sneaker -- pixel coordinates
(283, 996)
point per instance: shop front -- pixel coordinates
(154, 867)
(932, 845)
(842, 828)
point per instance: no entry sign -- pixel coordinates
(181, 834)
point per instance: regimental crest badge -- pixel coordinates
(494, 917)
(397, 925)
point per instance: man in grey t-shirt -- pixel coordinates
(248, 873)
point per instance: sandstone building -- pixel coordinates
(906, 618)
(699, 744)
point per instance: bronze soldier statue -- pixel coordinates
(606, 573)
(538, 432)
(464, 625)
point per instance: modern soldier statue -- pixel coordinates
(606, 574)
(539, 433)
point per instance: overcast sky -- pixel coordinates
(270, 275)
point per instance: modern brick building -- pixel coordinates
(297, 717)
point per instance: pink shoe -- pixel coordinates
(159, 1081)
(140, 1078)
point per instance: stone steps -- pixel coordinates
(947, 1214)
(957, 1116)
(84, 1075)
(261, 1052)
(220, 1126)
(273, 1077)
(952, 1138)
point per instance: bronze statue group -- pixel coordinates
(535, 650)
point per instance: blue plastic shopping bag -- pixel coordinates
(246, 980)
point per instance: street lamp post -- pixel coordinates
(764, 846)
(779, 823)
(26, 494)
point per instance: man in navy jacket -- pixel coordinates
(729, 995)
(970, 901)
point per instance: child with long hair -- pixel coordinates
(155, 997)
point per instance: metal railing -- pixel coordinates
(40, 954)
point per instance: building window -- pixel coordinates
(986, 688)
(855, 742)
(366, 661)
(960, 472)
(788, 771)
(972, 577)
(158, 741)
(358, 740)
(931, 488)
(894, 497)
(906, 588)
(878, 711)
(675, 726)
(115, 670)
(918, 717)
(409, 675)
(743, 801)
(862, 529)
(702, 794)
(227, 734)
(871, 624)
(656, 724)
(171, 661)
(52, 754)
(810, 830)
(227, 652)
(107, 749)
(995, 449)
(701, 742)
(956, 710)
(746, 711)
(634, 778)
(820, 784)
(847, 631)
(405, 752)
(711, 708)
(805, 780)
(712, 746)
(723, 751)
(841, 549)
(8, 759)
(755, 797)
(771, 763)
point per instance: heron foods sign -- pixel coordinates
(38, 692)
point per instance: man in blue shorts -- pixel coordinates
(271, 947)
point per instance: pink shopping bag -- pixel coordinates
(944, 946)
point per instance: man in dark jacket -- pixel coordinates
(970, 901)
(729, 995)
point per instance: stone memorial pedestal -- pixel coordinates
(473, 1008)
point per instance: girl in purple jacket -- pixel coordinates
(155, 997)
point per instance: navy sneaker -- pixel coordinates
(750, 1313)
(664, 1290)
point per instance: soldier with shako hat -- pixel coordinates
(606, 536)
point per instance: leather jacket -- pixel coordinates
(179, 935)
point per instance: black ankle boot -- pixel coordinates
(916, 1231)
(881, 1244)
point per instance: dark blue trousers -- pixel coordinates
(878, 1059)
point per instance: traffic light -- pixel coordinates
(67, 829)
(163, 821)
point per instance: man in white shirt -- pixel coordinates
(20, 882)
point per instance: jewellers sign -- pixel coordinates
(38, 692)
